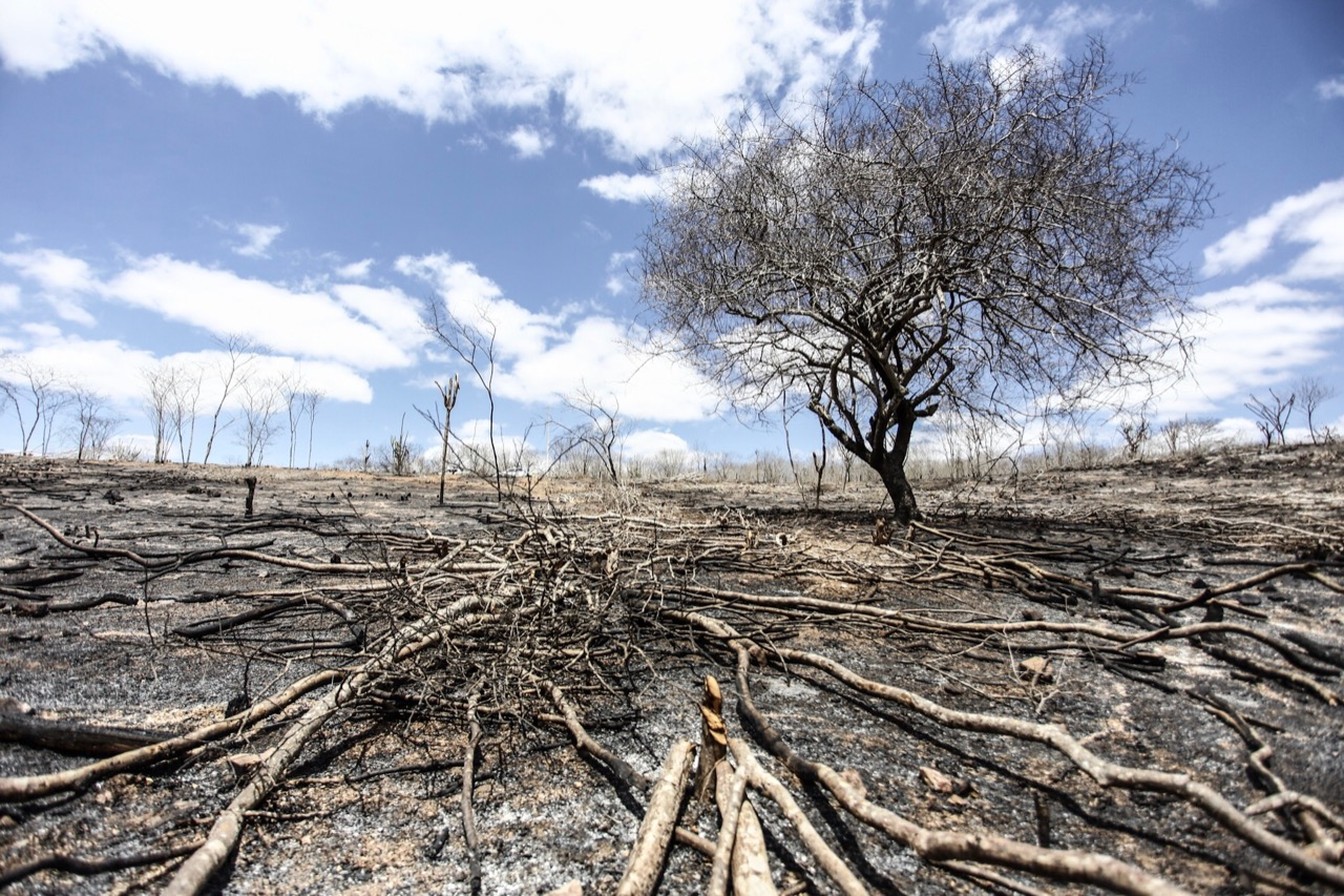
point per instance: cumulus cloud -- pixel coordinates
(9, 297)
(257, 239)
(307, 324)
(62, 280)
(391, 311)
(529, 143)
(1312, 218)
(1261, 333)
(1331, 88)
(104, 366)
(355, 270)
(117, 372)
(633, 73)
(624, 187)
(619, 278)
(976, 27)
(544, 357)
(651, 443)
(600, 358)
(477, 302)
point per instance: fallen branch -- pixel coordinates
(469, 836)
(34, 786)
(645, 864)
(75, 738)
(197, 871)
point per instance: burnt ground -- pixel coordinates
(1056, 598)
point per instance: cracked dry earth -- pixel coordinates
(1179, 619)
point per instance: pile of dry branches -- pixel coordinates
(954, 665)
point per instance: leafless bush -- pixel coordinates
(1193, 435)
(95, 424)
(126, 452)
(1135, 431)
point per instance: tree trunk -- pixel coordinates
(898, 487)
(890, 464)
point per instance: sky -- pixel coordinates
(305, 177)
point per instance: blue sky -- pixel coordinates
(307, 174)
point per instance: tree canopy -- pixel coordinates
(977, 241)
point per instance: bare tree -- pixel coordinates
(1312, 391)
(1271, 417)
(597, 434)
(1171, 433)
(95, 424)
(291, 391)
(310, 400)
(37, 394)
(442, 421)
(232, 374)
(1135, 429)
(474, 343)
(978, 240)
(58, 399)
(184, 407)
(261, 402)
(158, 386)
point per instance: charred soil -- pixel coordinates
(1121, 679)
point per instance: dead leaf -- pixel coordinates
(1038, 669)
(935, 780)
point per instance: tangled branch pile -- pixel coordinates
(962, 708)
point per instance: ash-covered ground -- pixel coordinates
(373, 804)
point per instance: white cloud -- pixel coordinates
(105, 366)
(477, 302)
(331, 379)
(634, 73)
(116, 371)
(306, 324)
(977, 27)
(476, 435)
(1255, 335)
(624, 187)
(1323, 234)
(390, 310)
(1312, 218)
(355, 270)
(258, 239)
(63, 281)
(619, 278)
(1331, 88)
(649, 443)
(53, 271)
(529, 143)
(599, 358)
(542, 357)
(9, 297)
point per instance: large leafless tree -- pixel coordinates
(975, 241)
